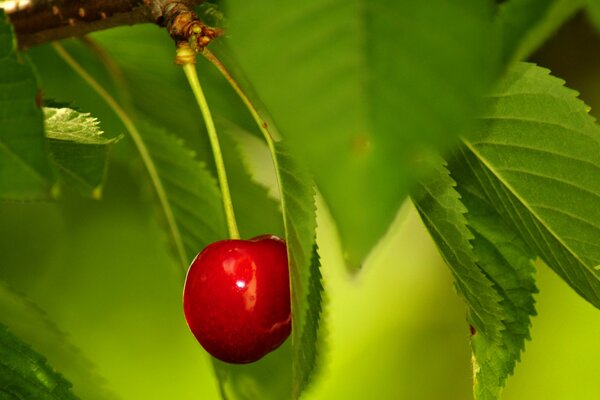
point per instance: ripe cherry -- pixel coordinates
(237, 298)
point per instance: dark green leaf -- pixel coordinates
(25, 171)
(24, 374)
(78, 149)
(506, 260)
(536, 157)
(358, 86)
(442, 211)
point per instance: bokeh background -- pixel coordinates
(103, 274)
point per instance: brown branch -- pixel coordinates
(41, 21)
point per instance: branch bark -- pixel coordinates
(41, 21)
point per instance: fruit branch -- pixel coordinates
(41, 21)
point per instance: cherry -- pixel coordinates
(236, 298)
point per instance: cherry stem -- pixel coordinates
(260, 121)
(189, 68)
(139, 144)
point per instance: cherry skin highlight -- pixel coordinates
(236, 298)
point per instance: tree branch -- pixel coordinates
(41, 21)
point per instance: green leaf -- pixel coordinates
(536, 156)
(506, 260)
(524, 25)
(442, 211)
(31, 324)
(24, 374)
(78, 149)
(311, 341)
(358, 86)
(25, 171)
(191, 193)
(298, 206)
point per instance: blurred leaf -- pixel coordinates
(506, 260)
(526, 24)
(25, 171)
(442, 211)
(24, 374)
(358, 86)
(536, 156)
(78, 149)
(191, 192)
(31, 324)
(593, 12)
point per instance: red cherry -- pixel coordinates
(237, 298)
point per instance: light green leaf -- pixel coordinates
(191, 192)
(357, 86)
(25, 171)
(536, 156)
(78, 149)
(506, 260)
(442, 211)
(24, 374)
(31, 324)
(524, 25)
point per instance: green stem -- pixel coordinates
(190, 72)
(260, 121)
(139, 144)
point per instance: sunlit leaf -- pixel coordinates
(78, 149)
(358, 86)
